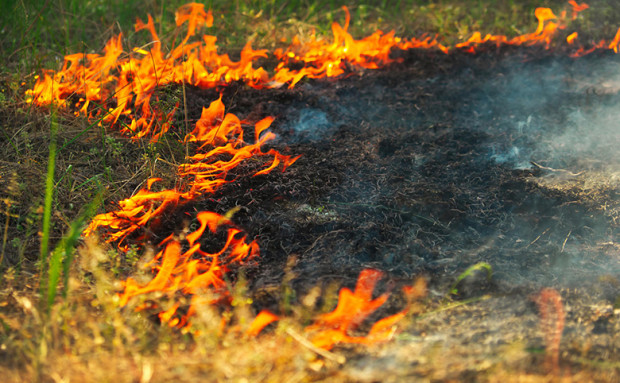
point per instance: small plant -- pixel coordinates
(482, 267)
(115, 147)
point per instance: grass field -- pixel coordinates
(59, 315)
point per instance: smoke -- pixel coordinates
(591, 140)
(560, 118)
(504, 160)
(307, 124)
(564, 115)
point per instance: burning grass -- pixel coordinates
(184, 245)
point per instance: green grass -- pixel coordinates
(49, 190)
(61, 258)
(56, 170)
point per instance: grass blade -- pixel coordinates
(10, 141)
(62, 256)
(49, 190)
(480, 266)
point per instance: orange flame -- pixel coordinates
(353, 308)
(195, 15)
(119, 86)
(577, 8)
(603, 44)
(571, 38)
(125, 79)
(205, 172)
(544, 33)
(615, 42)
(322, 59)
(194, 270)
(263, 319)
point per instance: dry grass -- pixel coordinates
(88, 337)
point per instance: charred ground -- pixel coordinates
(417, 167)
(430, 166)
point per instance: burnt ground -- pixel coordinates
(433, 165)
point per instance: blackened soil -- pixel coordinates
(431, 166)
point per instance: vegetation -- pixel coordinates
(57, 169)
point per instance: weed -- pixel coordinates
(482, 266)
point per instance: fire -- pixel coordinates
(195, 15)
(572, 37)
(353, 308)
(203, 174)
(117, 88)
(192, 271)
(258, 324)
(615, 42)
(548, 26)
(128, 80)
(323, 59)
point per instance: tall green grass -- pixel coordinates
(49, 191)
(61, 258)
(58, 262)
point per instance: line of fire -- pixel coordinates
(201, 225)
